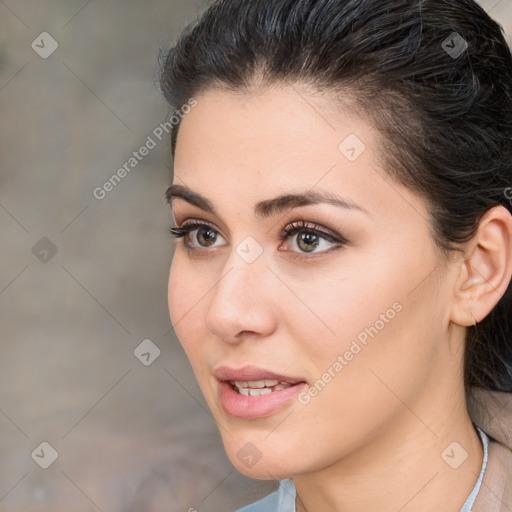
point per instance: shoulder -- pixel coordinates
(492, 412)
(282, 500)
(496, 491)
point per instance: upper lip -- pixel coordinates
(248, 373)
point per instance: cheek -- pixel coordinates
(335, 306)
(184, 305)
(374, 330)
(176, 288)
(364, 296)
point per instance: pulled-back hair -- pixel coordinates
(433, 76)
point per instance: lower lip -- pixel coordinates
(249, 407)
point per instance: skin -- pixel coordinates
(376, 432)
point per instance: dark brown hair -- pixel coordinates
(435, 78)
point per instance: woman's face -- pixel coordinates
(350, 318)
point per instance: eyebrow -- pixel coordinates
(268, 207)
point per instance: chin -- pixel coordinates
(262, 470)
(258, 461)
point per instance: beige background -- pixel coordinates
(129, 437)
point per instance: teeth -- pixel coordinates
(258, 384)
(251, 384)
(259, 387)
(259, 392)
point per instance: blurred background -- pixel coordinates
(99, 409)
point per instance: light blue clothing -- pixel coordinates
(472, 496)
(283, 500)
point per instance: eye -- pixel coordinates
(206, 234)
(311, 237)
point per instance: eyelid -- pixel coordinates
(194, 222)
(189, 226)
(294, 224)
(300, 225)
(189, 218)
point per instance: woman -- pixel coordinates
(341, 284)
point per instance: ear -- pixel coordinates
(486, 268)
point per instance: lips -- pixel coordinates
(252, 392)
(252, 373)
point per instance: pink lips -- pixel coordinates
(251, 373)
(252, 407)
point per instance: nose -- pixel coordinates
(242, 304)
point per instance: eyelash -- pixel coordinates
(291, 229)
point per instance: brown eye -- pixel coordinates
(306, 238)
(307, 241)
(206, 236)
(196, 234)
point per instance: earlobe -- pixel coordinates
(486, 270)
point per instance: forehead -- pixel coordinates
(274, 114)
(240, 149)
(281, 133)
